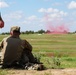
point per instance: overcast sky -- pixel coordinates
(38, 14)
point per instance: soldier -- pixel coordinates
(15, 51)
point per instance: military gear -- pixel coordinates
(32, 66)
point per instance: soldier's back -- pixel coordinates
(12, 50)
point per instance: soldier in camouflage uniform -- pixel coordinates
(15, 51)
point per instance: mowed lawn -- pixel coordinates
(53, 45)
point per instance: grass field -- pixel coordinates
(51, 46)
(55, 43)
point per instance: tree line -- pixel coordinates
(38, 32)
(28, 32)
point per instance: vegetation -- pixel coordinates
(54, 50)
(39, 32)
(61, 46)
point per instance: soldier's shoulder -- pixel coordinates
(5, 38)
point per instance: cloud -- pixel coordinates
(42, 10)
(31, 18)
(72, 5)
(51, 10)
(3, 4)
(53, 13)
(15, 15)
(63, 13)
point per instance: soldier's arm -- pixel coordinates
(27, 45)
(1, 45)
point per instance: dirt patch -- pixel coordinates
(44, 72)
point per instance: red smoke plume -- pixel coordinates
(56, 26)
(58, 29)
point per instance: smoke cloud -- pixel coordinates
(56, 25)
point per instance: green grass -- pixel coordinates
(61, 45)
(3, 72)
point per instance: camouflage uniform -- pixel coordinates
(15, 50)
